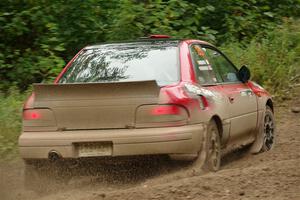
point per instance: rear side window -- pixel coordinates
(226, 72)
(125, 62)
(211, 67)
(204, 71)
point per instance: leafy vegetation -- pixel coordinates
(274, 60)
(10, 122)
(37, 38)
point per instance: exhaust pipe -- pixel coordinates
(54, 156)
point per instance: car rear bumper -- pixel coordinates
(125, 142)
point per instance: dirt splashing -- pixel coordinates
(270, 175)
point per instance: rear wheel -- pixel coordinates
(213, 148)
(209, 158)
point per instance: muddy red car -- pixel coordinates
(155, 96)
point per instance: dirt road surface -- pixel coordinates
(272, 175)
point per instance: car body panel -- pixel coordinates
(165, 140)
(241, 107)
(82, 106)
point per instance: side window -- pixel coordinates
(226, 71)
(204, 72)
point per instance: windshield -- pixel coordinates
(126, 62)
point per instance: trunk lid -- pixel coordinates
(95, 105)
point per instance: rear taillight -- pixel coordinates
(166, 110)
(161, 115)
(31, 115)
(37, 119)
(28, 112)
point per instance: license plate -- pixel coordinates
(94, 149)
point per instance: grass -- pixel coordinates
(274, 61)
(10, 122)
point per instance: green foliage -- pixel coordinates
(37, 38)
(10, 122)
(274, 60)
(180, 19)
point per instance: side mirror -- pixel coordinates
(244, 74)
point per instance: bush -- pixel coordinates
(274, 59)
(37, 38)
(10, 122)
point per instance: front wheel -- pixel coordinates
(268, 131)
(265, 138)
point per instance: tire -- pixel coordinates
(209, 157)
(213, 148)
(268, 130)
(265, 138)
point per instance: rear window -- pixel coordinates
(140, 61)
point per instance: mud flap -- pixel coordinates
(259, 140)
(199, 164)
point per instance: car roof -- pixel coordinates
(150, 40)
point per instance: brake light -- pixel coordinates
(165, 110)
(39, 119)
(159, 36)
(31, 115)
(161, 115)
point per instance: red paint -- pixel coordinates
(204, 101)
(159, 36)
(258, 91)
(179, 96)
(166, 110)
(186, 65)
(29, 103)
(31, 115)
(66, 67)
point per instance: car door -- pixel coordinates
(206, 77)
(241, 101)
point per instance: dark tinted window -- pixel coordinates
(204, 71)
(225, 71)
(157, 60)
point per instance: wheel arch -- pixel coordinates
(218, 121)
(270, 104)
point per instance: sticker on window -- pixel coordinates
(199, 51)
(205, 68)
(202, 62)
